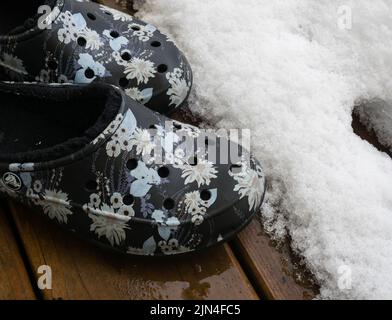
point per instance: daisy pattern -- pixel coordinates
(75, 28)
(113, 126)
(197, 207)
(192, 201)
(93, 40)
(202, 172)
(143, 142)
(117, 15)
(140, 69)
(144, 33)
(179, 87)
(113, 149)
(111, 228)
(250, 183)
(172, 247)
(95, 200)
(56, 205)
(134, 93)
(117, 208)
(37, 186)
(122, 129)
(116, 200)
(68, 32)
(143, 96)
(126, 211)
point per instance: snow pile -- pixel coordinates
(286, 70)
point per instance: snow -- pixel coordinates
(287, 70)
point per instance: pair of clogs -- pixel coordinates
(82, 142)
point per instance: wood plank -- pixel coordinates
(370, 136)
(81, 271)
(272, 270)
(14, 281)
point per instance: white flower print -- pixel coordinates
(37, 186)
(202, 172)
(179, 87)
(172, 247)
(12, 63)
(143, 142)
(143, 96)
(197, 219)
(116, 200)
(109, 227)
(178, 91)
(117, 15)
(197, 207)
(74, 28)
(140, 69)
(56, 205)
(127, 211)
(134, 93)
(95, 200)
(124, 143)
(69, 31)
(116, 209)
(250, 183)
(113, 149)
(117, 57)
(33, 197)
(144, 33)
(192, 201)
(66, 36)
(113, 126)
(93, 40)
(121, 129)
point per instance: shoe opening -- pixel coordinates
(40, 123)
(17, 17)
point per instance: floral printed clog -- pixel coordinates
(113, 171)
(80, 41)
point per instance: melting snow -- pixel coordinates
(285, 70)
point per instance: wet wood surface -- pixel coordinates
(82, 271)
(14, 279)
(270, 266)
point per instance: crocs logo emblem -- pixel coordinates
(12, 181)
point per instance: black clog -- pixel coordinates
(80, 41)
(102, 165)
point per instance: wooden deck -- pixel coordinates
(249, 267)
